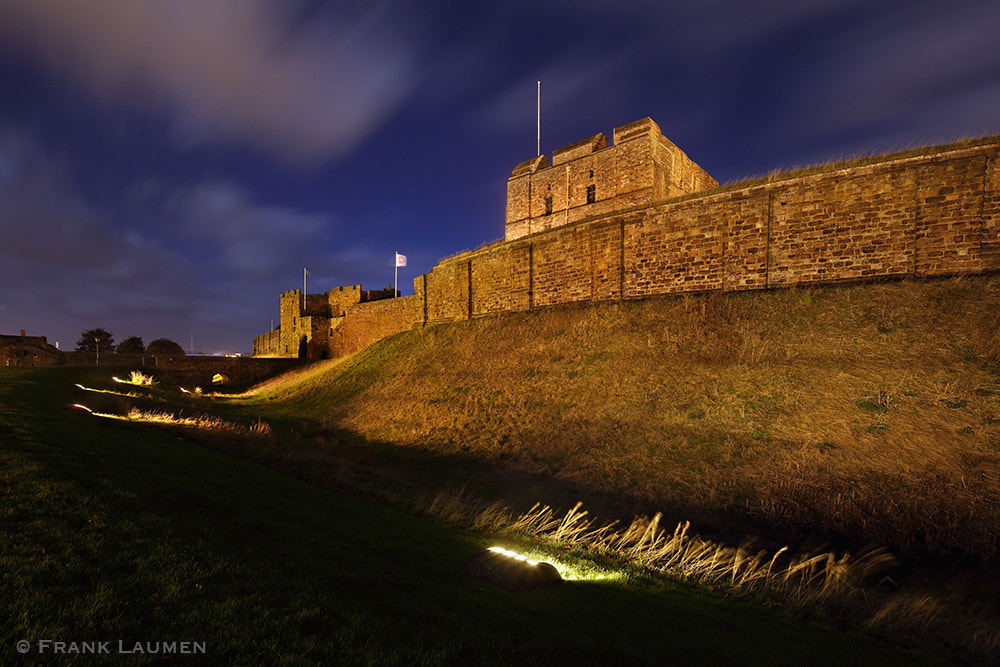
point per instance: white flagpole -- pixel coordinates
(538, 120)
(395, 274)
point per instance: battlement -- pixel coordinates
(579, 149)
(589, 178)
(342, 297)
(644, 128)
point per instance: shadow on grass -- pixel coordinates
(126, 531)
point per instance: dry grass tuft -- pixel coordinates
(841, 584)
(204, 423)
(803, 578)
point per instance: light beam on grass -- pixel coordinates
(205, 422)
(802, 578)
(104, 391)
(96, 414)
(137, 378)
(515, 572)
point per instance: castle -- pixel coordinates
(638, 219)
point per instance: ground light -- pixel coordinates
(512, 570)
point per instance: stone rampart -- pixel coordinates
(370, 322)
(931, 214)
(268, 344)
(918, 216)
(194, 370)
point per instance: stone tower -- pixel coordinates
(590, 178)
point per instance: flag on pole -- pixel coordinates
(400, 261)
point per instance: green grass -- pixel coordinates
(796, 417)
(723, 407)
(134, 531)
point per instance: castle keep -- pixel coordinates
(637, 219)
(588, 178)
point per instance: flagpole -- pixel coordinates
(304, 274)
(538, 120)
(395, 274)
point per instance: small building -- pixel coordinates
(27, 351)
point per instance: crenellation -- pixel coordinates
(579, 149)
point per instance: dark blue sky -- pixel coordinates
(169, 167)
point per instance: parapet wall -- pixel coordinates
(926, 215)
(919, 216)
(370, 322)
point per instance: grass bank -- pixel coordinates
(850, 416)
(866, 413)
(119, 533)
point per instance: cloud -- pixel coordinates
(163, 260)
(68, 262)
(45, 221)
(305, 89)
(244, 238)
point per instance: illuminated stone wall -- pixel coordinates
(927, 215)
(930, 215)
(368, 323)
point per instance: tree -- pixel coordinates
(165, 346)
(132, 344)
(95, 340)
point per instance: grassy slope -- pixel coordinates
(859, 413)
(125, 531)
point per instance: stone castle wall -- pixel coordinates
(927, 215)
(370, 322)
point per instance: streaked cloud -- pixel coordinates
(248, 71)
(243, 237)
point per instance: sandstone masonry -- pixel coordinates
(639, 219)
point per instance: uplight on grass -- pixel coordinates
(569, 571)
(204, 423)
(512, 554)
(137, 378)
(515, 572)
(95, 413)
